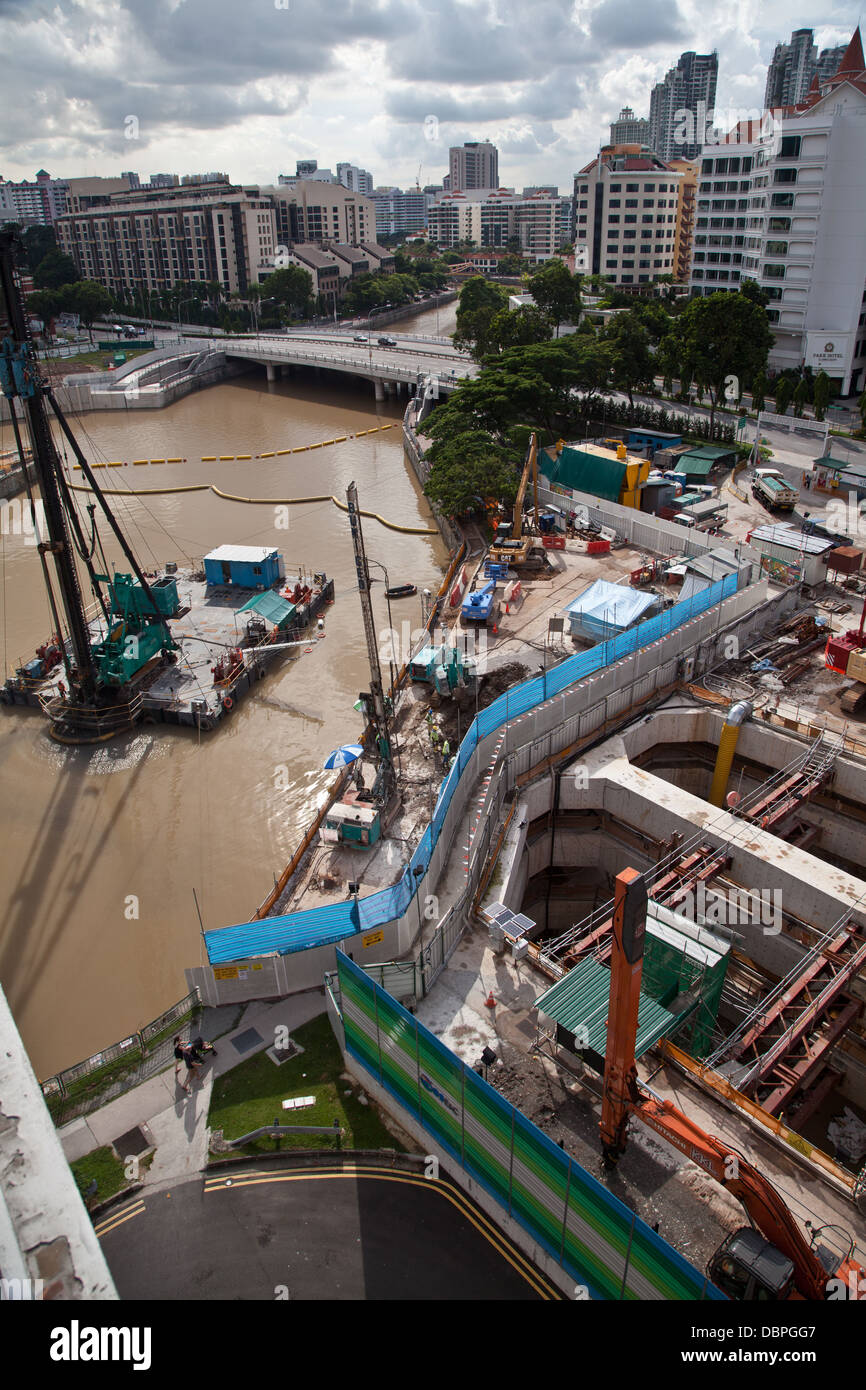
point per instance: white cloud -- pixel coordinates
(249, 88)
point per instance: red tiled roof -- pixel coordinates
(852, 64)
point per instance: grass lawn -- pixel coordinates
(250, 1096)
(95, 358)
(104, 1165)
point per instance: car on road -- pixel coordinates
(387, 342)
(360, 338)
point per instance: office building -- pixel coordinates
(472, 166)
(495, 218)
(682, 106)
(625, 215)
(398, 212)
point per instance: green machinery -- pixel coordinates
(136, 634)
(443, 667)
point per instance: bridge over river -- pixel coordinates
(404, 360)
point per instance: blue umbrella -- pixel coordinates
(341, 757)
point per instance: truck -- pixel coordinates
(770, 487)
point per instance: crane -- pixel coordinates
(772, 1258)
(510, 546)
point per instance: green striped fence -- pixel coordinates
(597, 1240)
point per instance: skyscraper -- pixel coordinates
(793, 67)
(682, 105)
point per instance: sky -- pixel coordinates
(247, 87)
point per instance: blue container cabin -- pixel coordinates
(244, 566)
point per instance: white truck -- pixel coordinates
(770, 487)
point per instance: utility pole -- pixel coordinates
(379, 712)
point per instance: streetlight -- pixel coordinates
(392, 660)
(191, 299)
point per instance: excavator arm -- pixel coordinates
(766, 1209)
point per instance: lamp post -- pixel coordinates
(393, 657)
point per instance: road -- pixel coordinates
(340, 1232)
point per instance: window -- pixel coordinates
(643, 279)
(626, 279)
(777, 248)
(773, 291)
(628, 265)
(784, 176)
(649, 202)
(610, 265)
(631, 217)
(774, 272)
(632, 188)
(790, 147)
(643, 265)
(646, 217)
(614, 217)
(773, 315)
(782, 200)
(616, 188)
(613, 233)
(614, 202)
(706, 166)
(631, 202)
(629, 232)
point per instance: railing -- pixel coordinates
(100, 1078)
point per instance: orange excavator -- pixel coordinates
(770, 1259)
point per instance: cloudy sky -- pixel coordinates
(247, 87)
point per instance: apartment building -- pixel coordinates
(625, 215)
(686, 214)
(723, 210)
(317, 211)
(33, 203)
(355, 179)
(397, 211)
(681, 104)
(154, 241)
(323, 268)
(472, 166)
(801, 238)
(794, 67)
(496, 218)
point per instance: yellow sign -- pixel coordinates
(225, 972)
(373, 939)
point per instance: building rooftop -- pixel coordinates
(251, 554)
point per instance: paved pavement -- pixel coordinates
(344, 1231)
(176, 1122)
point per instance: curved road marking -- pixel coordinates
(452, 1194)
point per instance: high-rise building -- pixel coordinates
(309, 171)
(397, 211)
(625, 215)
(794, 66)
(355, 179)
(33, 204)
(799, 195)
(682, 105)
(474, 165)
(164, 181)
(629, 129)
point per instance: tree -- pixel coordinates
(668, 361)
(38, 241)
(55, 270)
(821, 394)
(89, 300)
(479, 303)
(801, 396)
(632, 363)
(784, 391)
(44, 305)
(723, 338)
(759, 391)
(292, 287)
(517, 327)
(754, 292)
(556, 291)
(467, 469)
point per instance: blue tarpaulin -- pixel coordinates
(605, 609)
(323, 926)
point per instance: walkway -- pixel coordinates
(176, 1123)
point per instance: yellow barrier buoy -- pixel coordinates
(176, 460)
(119, 464)
(227, 458)
(208, 458)
(157, 460)
(138, 463)
(266, 456)
(243, 456)
(281, 452)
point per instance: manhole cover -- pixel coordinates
(134, 1141)
(244, 1042)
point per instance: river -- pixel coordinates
(103, 848)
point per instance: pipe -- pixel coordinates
(736, 717)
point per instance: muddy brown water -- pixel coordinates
(102, 848)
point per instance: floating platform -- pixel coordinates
(225, 645)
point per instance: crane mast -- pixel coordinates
(378, 713)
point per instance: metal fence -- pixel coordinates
(87, 1085)
(597, 1241)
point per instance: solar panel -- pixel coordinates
(521, 923)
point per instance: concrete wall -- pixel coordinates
(45, 1229)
